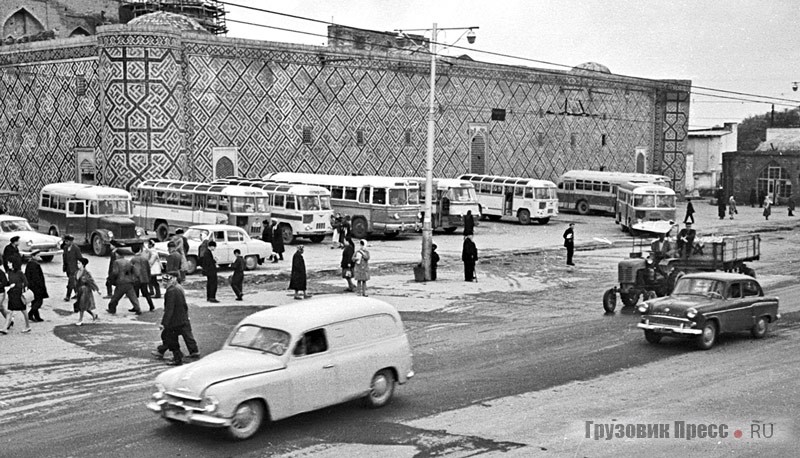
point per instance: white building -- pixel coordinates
(704, 157)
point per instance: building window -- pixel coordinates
(573, 140)
(360, 137)
(603, 140)
(408, 136)
(306, 135)
(80, 85)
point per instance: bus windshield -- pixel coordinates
(546, 193)
(110, 207)
(262, 204)
(403, 196)
(462, 194)
(647, 201)
(325, 202)
(309, 203)
(666, 202)
(243, 205)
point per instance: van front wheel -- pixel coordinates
(381, 389)
(246, 419)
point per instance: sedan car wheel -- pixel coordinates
(246, 419)
(708, 338)
(760, 328)
(381, 389)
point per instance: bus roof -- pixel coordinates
(274, 186)
(201, 188)
(495, 179)
(646, 188)
(85, 191)
(444, 183)
(339, 180)
(614, 177)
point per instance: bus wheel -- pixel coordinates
(191, 264)
(583, 207)
(162, 232)
(99, 248)
(251, 262)
(359, 228)
(524, 217)
(317, 238)
(544, 221)
(53, 231)
(286, 233)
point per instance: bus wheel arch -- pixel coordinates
(162, 230)
(286, 233)
(582, 207)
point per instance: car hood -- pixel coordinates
(673, 305)
(192, 379)
(35, 237)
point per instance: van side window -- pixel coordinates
(45, 200)
(311, 342)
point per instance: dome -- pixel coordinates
(165, 19)
(590, 67)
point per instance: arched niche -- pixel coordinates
(21, 23)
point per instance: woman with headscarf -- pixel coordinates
(15, 303)
(298, 280)
(347, 263)
(86, 289)
(361, 268)
(277, 242)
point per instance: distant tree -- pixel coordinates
(753, 130)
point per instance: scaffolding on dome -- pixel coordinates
(208, 13)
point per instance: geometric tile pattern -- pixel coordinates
(675, 132)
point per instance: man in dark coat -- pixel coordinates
(722, 203)
(111, 258)
(277, 242)
(689, 211)
(569, 243)
(123, 277)
(170, 279)
(209, 265)
(11, 253)
(174, 259)
(237, 279)
(70, 256)
(469, 224)
(36, 283)
(141, 269)
(469, 254)
(298, 279)
(685, 242)
(266, 234)
(434, 261)
(175, 322)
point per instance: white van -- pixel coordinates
(288, 360)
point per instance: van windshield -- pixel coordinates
(110, 207)
(254, 337)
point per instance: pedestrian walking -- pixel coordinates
(11, 253)
(186, 331)
(175, 322)
(689, 211)
(298, 280)
(141, 271)
(361, 268)
(86, 289)
(348, 263)
(767, 204)
(154, 260)
(174, 260)
(37, 285)
(790, 205)
(732, 206)
(182, 244)
(336, 237)
(469, 255)
(469, 224)
(434, 261)
(569, 242)
(753, 197)
(209, 266)
(201, 250)
(237, 279)
(722, 203)
(277, 242)
(19, 284)
(761, 197)
(69, 263)
(266, 233)
(347, 226)
(123, 278)
(112, 257)
(3, 307)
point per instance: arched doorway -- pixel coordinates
(477, 147)
(774, 181)
(22, 23)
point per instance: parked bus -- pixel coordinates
(586, 191)
(452, 199)
(299, 210)
(637, 203)
(523, 198)
(376, 205)
(166, 205)
(93, 215)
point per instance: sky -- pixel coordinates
(745, 46)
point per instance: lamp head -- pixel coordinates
(471, 40)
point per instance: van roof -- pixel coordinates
(85, 191)
(296, 318)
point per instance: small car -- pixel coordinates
(29, 240)
(228, 238)
(704, 305)
(287, 360)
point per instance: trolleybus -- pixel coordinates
(639, 203)
(586, 191)
(523, 198)
(166, 205)
(376, 205)
(300, 210)
(93, 215)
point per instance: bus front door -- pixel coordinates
(508, 204)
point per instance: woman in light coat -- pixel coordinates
(155, 269)
(361, 268)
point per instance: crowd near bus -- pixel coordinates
(376, 205)
(586, 191)
(166, 205)
(300, 210)
(525, 199)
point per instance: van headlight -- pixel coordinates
(691, 313)
(210, 404)
(643, 307)
(110, 235)
(396, 216)
(139, 232)
(30, 242)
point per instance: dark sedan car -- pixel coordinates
(704, 305)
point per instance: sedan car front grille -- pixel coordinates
(666, 320)
(185, 402)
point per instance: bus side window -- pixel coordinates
(579, 185)
(159, 197)
(62, 203)
(529, 193)
(597, 186)
(93, 208)
(172, 198)
(350, 193)
(223, 203)
(45, 201)
(77, 208)
(186, 200)
(337, 192)
(570, 186)
(290, 204)
(379, 196)
(606, 187)
(278, 201)
(364, 196)
(497, 189)
(561, 185)
(518, 190)
(200, 201)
